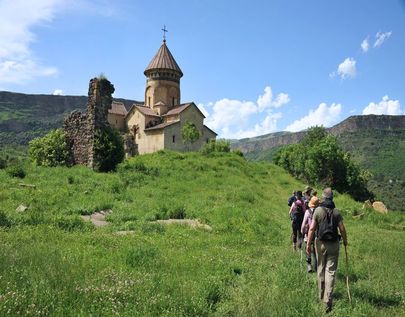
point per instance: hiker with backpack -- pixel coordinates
(292, 198)
(324, 227)
(307, 194)
(296, 213)
(306, 224)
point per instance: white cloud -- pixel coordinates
(264, 100)
(17, 17)
(323, 115)
(281, 99)
(58, 92)
(269, 124)
(234, 118)
(385, 106)
(380, 38)
(347, 69)
(365, 45)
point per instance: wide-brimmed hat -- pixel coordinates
(314, 202)
(307, 189)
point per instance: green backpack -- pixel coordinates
(327, 227)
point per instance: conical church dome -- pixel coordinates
(163, 60)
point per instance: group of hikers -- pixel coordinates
(316, 222)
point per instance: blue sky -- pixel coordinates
(253, 67)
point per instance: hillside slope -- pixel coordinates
(55, 264)
(382, 152)
(24, 117)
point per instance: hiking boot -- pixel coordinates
(294, 247)
(328, 307)
(309, 268)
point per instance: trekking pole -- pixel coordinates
(347, 276)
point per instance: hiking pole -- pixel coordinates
(347, 276)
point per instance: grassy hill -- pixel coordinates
(53, 263)
(24, 117)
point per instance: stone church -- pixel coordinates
(157, 123)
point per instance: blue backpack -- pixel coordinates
(291, 200)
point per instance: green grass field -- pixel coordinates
(52, 263)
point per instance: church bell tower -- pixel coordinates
(163, 80)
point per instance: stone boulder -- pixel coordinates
(21, 208)
(380, 207)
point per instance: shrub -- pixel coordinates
(4, 222)
(238, 152)
(178, 213)
(216, 146)
(71, 224)
(108, 149)
(3, 163)
(50, 150)
(70, 179)
(16, 171)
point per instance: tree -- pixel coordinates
(50, 150)
(190, 133)
(318, 159)
(108, 149)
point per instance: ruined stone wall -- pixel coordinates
(80, 128)
(81, 138)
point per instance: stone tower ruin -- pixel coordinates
(80, 128)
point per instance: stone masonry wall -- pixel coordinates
(80, 128)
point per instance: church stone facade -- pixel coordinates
(157, 123)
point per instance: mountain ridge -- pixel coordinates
(350, 124)
(26, 116)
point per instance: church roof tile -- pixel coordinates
(162, 125)
(163, 60)
(118, 108)
(177, 109)
(180, 108)
(146, 111)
